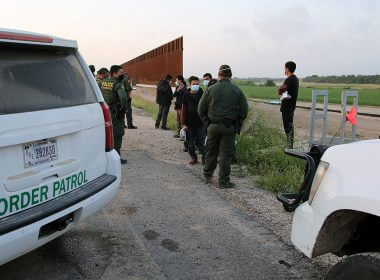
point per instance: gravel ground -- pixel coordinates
(256, 202)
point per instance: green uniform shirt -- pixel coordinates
(114, 94)
(221, 101)
(127, 85)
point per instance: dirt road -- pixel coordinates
(165, 223)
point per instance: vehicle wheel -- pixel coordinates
(364, 266)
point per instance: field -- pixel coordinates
(367, 95)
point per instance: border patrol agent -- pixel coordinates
(101, 75)
(223, 107)
(116, 98)
(128, 112)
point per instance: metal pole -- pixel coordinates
(345, 94)
(318, 115)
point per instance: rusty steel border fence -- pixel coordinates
(153, 66)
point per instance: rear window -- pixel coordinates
(33, 80)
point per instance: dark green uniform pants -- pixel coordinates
(220, 144)
(128, 113)
(118, 131)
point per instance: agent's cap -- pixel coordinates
(103, 71)
(225, 71)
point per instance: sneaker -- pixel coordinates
(132, 127)
(228, 185)
(193, 161)
(203, 161)
(123, 161)
(207, 179)
(176, 136)
(157, 126)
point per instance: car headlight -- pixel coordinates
(318, 177)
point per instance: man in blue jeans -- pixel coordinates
(195, 133)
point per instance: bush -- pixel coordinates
(270, 83)
(261, 148)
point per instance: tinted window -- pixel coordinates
(32, 80)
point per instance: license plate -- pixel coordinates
(40, 152)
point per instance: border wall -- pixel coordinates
(153, 66)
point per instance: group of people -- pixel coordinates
(211, 119)
(216, 115)
(116, 88)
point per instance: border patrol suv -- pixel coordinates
(57, 162)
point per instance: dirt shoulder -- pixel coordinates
(247, 196)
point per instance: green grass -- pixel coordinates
(369, 97)
(261, 149)
(152, 108)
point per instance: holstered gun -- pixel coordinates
(238, 124)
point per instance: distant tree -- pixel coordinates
(244, 82)
(344, 79)
(269, 83)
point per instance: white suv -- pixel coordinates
(337, 209)
(57, 162)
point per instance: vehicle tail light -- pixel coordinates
(108, 126)
(25, 37)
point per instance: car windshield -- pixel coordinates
(33, 80)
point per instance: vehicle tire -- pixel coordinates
(365, 266)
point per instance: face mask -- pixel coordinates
(121, 77)
(206, 82)
(195, 88)
(177, 83)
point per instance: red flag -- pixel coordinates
(351, 116)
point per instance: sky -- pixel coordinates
(255, 37)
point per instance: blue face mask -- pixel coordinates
(206, 82)
(195, 88)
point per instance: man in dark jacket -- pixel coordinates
(164, 99)
(195, 133)
(208, 81)
(180, 91)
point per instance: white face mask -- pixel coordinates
(206, 82)
(195, 88)
(177, 83)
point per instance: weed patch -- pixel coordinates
(261, 149)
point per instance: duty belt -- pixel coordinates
(226, 122)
